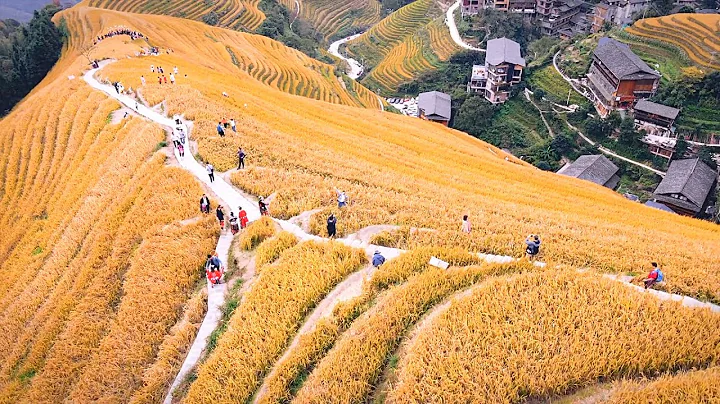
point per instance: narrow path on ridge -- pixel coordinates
(356, 69)
(452, 26)
(232, 199)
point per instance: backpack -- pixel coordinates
(660, 275)
(532, 249)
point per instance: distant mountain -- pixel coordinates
(23, 10)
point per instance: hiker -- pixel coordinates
(533, 246)
(181, 150)
(205, 204)
(263, 207)
(220, 130)
(655, 276)
(211, 172)
(242, 215)
(117, 87)
(160, 70)
(377, 259)
(225, 123)
(232, 125)
(234, 228)
(172, 78)
(341, 199)
(214, 269)
(331, 221)
(220, 216)
(466, 226)
(175, 139)
(164, 79)
(152, 68)
(142, 80)
(241, 158)
(159, 80)
(175, 70)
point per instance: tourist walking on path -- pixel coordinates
(142, 80)
(241, 158)
(533, 246)
(466, 226)
(331, 221)
(377, 259)
(181, 150)
(242, 216)
(159, 80)
(233, 126)
(225, 123)
(220, 216)
(164, 79)
(220, 130)
(234, 228)
(211, 172)
(172, 78)
(175, 138)
(263, 207)
(175, 70)
(341, 199)
(205, 204)
(655, 276)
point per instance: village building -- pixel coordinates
(559, 16)
(616, 12)
(618, 78)
(686, 187)
(594, 168)
(435, 106)
(503, 69)
(471, 7)
(658, 123)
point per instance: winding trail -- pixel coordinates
(452, 26)
(232, 199)
(356, 69)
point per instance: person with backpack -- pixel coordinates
(262, 206)
(466, 226)
(205, 204)
(220, 130)
(331, 221)
(377, 259)
(655, 276)
(211, 172)
(241, 158)
(533, 246)
(220, 216)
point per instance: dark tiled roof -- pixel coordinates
(658, 205)
(690, 178)
(657, 109)
(622, 62)
(503, 50)
(596, 168)
(435, 103)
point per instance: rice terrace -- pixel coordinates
(360, 201)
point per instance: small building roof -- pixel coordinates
(435, 104)
(658, 205)
(596, 168)
(690, 178)
(657, 109)
(622, 62)
(479, 72)
(503, 50)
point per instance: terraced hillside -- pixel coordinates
(337, 18)
(409, 42)
(103, 245)
(231, 13)
(696, 34)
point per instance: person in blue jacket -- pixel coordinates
(377, 259)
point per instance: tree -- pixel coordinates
(681, 148)
(628, 134)
(538, 94)
(211, 18)
(706, 155)
(474, 116)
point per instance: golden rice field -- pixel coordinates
(103, 245)
(537, 335)
(697, 34)
(333, 18)
(96, 259)
(407, 43)
(232, 13)
(700, 386)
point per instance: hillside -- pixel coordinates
(407, 43)
(101, 292)
(336, 19)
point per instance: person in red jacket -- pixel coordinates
(242, 216)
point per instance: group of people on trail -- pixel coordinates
(162, 78)
(214, 269)
(236, 222)
(120, 30)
